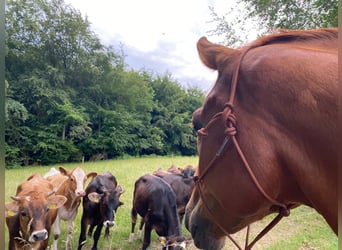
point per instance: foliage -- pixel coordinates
(266, 15)
(294, 14)
(68, 96)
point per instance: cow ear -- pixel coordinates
(11, 209)
(56, 201)
(119, 190)
(94, 197)
(63, 171)
(92, 175)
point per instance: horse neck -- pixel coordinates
(296, 116)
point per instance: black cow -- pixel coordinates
(155, 202)
(99, 206)
(182, 186)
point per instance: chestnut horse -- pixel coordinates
(267, 133)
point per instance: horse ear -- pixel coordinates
(213, 55)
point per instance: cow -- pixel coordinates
(99, 207)
(30, 215)
(181, 185)
(71, 185)
(188, 171)
(181, 182)
(155, 201)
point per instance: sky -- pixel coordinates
(159, 36)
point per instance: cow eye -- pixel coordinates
(23, 213)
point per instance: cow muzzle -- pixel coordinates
(109, 223)
(38, 235)
(80, 193)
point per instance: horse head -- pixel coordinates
(256, 130)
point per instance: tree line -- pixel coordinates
(68, 96)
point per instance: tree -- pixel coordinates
(70, 97)
(52, 56)
(294, 14)
(172, 113)
(273, 14)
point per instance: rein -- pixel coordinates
(230, 132)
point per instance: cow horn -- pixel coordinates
(52, 192)
(16, 198)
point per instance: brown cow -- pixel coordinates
(30, 216)
(188, 171)
(71, 185)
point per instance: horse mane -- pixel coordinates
(217, 56)
(295, 36)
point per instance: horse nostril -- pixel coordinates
(196, 119)
(196, 125)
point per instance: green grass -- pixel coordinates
(304, 229)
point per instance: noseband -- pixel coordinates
(230, 132)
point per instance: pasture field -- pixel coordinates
(304, 229)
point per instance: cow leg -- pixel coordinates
(142, 222)
(181, 215)
(57, 232)
(90, 231)
(147, 236)
(97, 235)
(83, 237)
(69, 234)
(134, 221)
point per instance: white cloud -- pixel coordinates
(160, 35)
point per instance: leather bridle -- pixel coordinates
(230, 131)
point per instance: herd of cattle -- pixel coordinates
(41, 202)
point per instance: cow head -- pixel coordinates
(34, 213)
(77, 178)
(174, 242)
(109, 203)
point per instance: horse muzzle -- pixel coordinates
(202, 229)
(196, 119)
